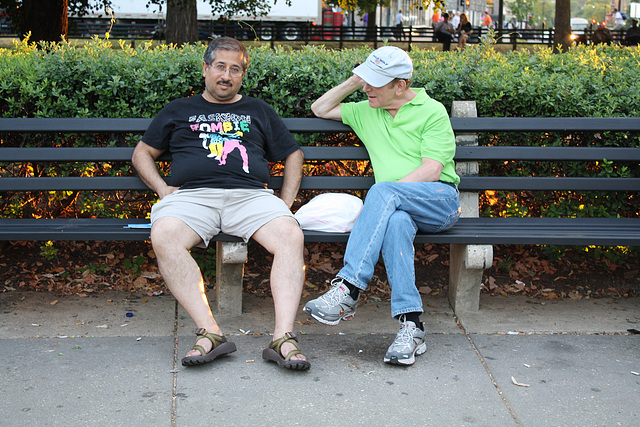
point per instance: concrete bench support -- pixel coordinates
(230, 260)
(466, 266)
(467, 262)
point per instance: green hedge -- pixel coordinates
(96, 80)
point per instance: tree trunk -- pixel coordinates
(182, 21)
(372, 26)
(46, 19)
(562, 33)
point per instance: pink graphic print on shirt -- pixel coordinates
(229, 146)
(219, 142)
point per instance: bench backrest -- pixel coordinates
(461, 126)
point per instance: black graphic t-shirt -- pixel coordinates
(220, 145)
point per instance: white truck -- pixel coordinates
(283, 21)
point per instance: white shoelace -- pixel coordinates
(405, 336)
(335, 295)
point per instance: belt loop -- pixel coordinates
(451, 184)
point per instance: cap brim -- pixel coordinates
(371, 77)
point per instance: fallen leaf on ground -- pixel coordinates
(432, 257)
(140, 282)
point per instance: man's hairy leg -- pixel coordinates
(172, 239)
(283, 238)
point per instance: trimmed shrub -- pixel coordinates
(95, 80)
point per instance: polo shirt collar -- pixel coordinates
(420, 98)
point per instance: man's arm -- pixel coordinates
(144, 161)
(292, 177)
(328, 105)
(429, 171)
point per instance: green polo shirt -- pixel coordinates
(396, 146)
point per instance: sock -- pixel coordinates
(353, 291)
(413, 317)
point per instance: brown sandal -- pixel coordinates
(220, 347)
(274, 354)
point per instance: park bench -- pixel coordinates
(471, 239)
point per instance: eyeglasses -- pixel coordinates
(233, 70)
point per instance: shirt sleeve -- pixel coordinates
(280, 143)
(438, 139)
(354, 113)
(158, 134)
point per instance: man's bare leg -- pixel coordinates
(172, 239)
(283, 238)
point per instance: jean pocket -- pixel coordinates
(450, 220)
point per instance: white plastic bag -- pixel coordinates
(330, 212)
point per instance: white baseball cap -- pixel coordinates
(384, 65)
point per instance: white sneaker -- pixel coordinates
(335, 305)
(408, 343)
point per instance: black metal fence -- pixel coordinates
(305, 32)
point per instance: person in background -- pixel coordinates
(399, 30)
(445, 32)
(487, 22)
(601, 35)
(455, 19)
(434, 21)
(617, 18)
(464, 31)
(632, 36)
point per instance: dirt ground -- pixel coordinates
(90, 267)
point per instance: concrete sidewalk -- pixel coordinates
(81, 361)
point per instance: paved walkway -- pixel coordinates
(71, 361)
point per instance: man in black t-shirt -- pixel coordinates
(221, 144)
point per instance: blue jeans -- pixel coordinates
(392, 214)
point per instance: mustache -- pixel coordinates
(226, 82)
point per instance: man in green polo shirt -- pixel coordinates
(411, 145)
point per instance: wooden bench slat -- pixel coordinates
(331, 183)
(65, 154)
(568, 154)
(544, 124)
(95, 183)
(107, 229)
(482, 183)
(72, 125)
(315, 125)
(553, 231)
(463, 153)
